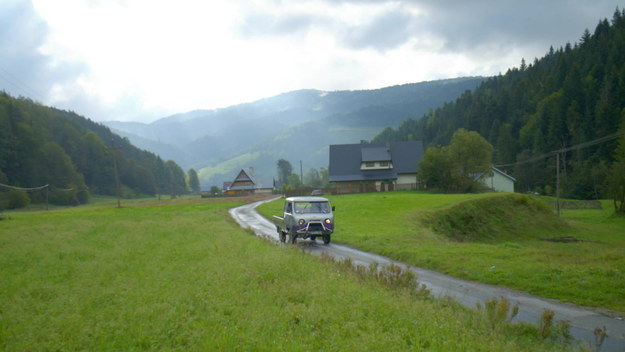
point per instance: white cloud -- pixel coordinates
(144, 59)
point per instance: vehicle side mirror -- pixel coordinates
(333, 208)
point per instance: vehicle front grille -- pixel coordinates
(315, 227)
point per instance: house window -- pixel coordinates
(376, 165)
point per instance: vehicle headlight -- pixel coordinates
(302, 221)
(328, 221)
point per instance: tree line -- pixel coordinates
(76, 157)
(289, 180)
(570, 96)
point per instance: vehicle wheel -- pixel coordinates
(282, 236)
(293, 237)
(326, 239)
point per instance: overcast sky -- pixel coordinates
(140, 60)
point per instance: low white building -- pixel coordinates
(499, 181)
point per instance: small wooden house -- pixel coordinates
(243, 184)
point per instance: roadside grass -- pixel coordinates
(184, 276)
(508, 250)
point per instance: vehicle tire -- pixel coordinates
(293, 237)
(326, 239)
(282, 236)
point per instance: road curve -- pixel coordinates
(583, 321)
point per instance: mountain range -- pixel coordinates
(297, 126)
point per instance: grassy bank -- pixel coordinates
(485, 238)
(185, 276)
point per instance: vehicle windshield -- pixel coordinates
(312, 207)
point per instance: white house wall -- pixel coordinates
(499, 183)
(406, 179)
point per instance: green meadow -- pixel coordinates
(492, 238)
(182, 275)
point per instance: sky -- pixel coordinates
(141, 60)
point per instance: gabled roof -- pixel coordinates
(241, 181)
(375, 154)
(243, 176)
(346, 159)
(406, 156)
(503, 174)
(480, 176)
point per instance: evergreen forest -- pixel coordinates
(570, 103)
(75, 157)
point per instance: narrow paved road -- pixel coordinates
(583, 321)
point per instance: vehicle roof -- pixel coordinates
(307, 199)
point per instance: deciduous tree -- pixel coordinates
(456, 168)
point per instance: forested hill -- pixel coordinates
(572, 95)
(40, 145)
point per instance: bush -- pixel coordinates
(17, 199)
(501, 217)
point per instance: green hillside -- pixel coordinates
(75, 156)
(308, 142)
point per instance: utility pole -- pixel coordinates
(301, 172)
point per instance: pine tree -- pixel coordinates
(193, 182)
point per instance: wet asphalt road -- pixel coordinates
(583, 321)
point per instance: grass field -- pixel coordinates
(184, 276)
(507, 250)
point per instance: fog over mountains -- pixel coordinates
(297, 126)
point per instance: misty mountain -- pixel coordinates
(297, 126)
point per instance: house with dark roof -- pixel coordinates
(371, 167)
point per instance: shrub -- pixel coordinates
(17, 199)
(490, 218)
(498, 312)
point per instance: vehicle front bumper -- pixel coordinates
(314, 228)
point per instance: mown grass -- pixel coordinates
(186, 277)
(507, 250)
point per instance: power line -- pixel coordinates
(25, 189)
(33, 189)
(593, 142)
(564, 150)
